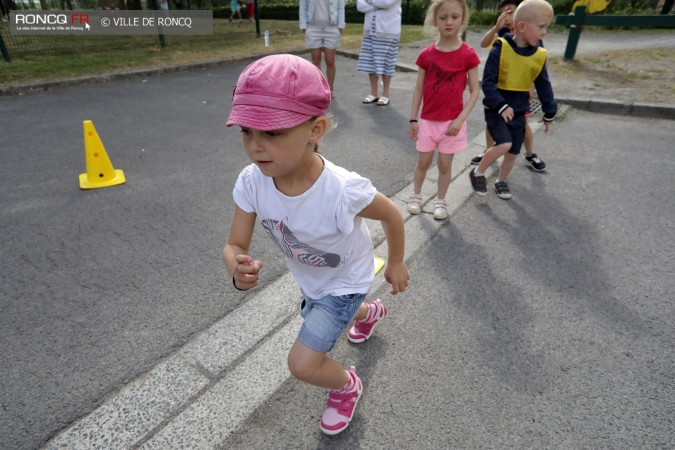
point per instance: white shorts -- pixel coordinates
(322, 37)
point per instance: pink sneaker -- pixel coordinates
(341, 406)
(362, 330)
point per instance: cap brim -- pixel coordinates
(264, 118)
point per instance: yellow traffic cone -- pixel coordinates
(379, 264)
(100, 171)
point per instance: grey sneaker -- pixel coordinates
(502, 190)
(478, 184)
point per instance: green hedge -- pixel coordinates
(412, 14)
(415, 10)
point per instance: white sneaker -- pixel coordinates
(440, 209)
(415, 203)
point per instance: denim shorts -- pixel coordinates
(326, 318)
(502, 132)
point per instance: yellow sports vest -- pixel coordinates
(518, 72)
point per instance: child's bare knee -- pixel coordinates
(443, 168)
(503, 148)
(509, 156)
(301, 368)
(297, 368)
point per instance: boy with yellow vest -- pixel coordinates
(514, 63)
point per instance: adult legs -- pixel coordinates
(329, 54)
(373, 84)
(316, 57)
(386, 81)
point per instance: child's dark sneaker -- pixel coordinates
(341, 406)
(536, 163)
(363, 329)
(502, 190)
(478, 184)
(476, 160)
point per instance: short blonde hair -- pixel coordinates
(531, 9)
(430, 18)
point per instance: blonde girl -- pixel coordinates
(314, 212)
(444, 68)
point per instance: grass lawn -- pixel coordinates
(47, 58)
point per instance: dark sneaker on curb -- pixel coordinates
(476, 160)
(536, 163)
(502, 190)
(478, 184)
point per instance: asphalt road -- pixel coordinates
(541, 321)
(98, 285)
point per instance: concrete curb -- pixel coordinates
(597, 106)
(622, 109)
(179, 403)
(24, 89)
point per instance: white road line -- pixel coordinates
(177, 405)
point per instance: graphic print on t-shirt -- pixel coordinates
(295, 249)
(442, 77)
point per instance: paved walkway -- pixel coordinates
(566, 90)
(199, 395)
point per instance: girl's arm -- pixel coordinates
(240, 265)
(418, 92)
(384, 210)
(474, 92)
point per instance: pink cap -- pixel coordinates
(277, 92)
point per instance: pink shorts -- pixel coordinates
(432, 136)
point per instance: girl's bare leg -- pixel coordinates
(315, 367)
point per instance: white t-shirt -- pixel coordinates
(328, 249)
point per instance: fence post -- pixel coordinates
(575, 32)
(5, 53)
(256, 11)
(155, 6)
